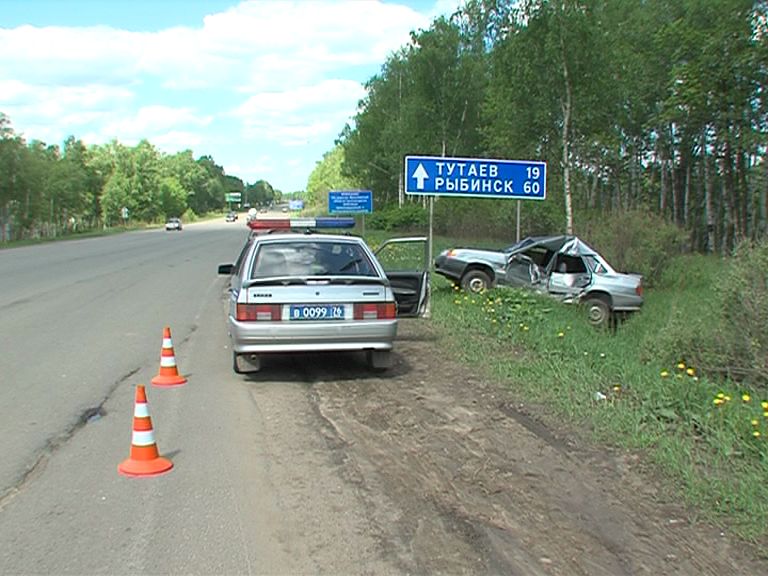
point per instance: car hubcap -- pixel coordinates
(476, 285)
(596, 315)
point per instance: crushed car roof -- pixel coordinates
(564, 244)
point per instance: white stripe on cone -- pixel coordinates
(167, 343)
(141, 410)
(143, 438)
(167, 361)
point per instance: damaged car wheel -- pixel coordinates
(475, 281)
(598, 312)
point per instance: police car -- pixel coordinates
(298, 286)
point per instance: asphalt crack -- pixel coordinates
(54, 444)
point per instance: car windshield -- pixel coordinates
(311, 258)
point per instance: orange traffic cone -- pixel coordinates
(144, 459)
(168, 375)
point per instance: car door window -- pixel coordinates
(406, 263)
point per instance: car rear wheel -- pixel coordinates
(475, 281)
(598, 312)
(379, 359)
(245, 363)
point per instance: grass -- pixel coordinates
(707, 437)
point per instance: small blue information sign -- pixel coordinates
(350, 202)
(475, 177)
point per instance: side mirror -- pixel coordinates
(226, 268)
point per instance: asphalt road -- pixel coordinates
(252, 489)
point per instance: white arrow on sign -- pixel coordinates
(420, 174)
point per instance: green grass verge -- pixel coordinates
(708, 438)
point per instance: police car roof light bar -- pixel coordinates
(288, 223)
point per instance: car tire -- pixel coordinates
(475, 281)
(245, 363)
(598, 312)
(379, 360)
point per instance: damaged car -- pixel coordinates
(562, 266)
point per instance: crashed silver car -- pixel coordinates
(564, 267)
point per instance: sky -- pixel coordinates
(264, 87)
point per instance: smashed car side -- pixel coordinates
(562, 266)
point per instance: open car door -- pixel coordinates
(406, 262)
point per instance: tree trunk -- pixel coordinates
(687, 197)
(731, 212)
(566, 105)
(710, 214)
(675, 186)
(762, 222)
(663, 190)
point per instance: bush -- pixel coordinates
(743, 305)
(410, 216)
(473, 218)
(636, 241)
(721, 325)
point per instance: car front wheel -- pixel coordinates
(598, 312)
(475, 281)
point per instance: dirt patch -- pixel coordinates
(462, 479)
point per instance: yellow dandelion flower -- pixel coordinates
(602, 354)
(727, 398)
(754, 422)
(616, 388)
(560, 334)
(765, 414)
(525, 328)
(586, 353)
(717, 401)
(764, 405)
(664, 373)
(521, 324)
(721, 395)
(690, 371)
(681, 366)
(756, 433)
(746, 397)
(493, 321)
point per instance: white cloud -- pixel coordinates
(273, 80)
(301, 115)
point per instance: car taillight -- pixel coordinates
(375, 311)
(258, 312)
(639, 289)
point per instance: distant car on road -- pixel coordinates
(173, 224)
(318, 292)
(562, 266)
(231, 217)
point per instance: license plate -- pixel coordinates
(317, 312)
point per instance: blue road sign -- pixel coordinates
(350, 202)
(475, 177)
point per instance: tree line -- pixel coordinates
(47, 190)
(636, 105)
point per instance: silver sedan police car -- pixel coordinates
(294, 291)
